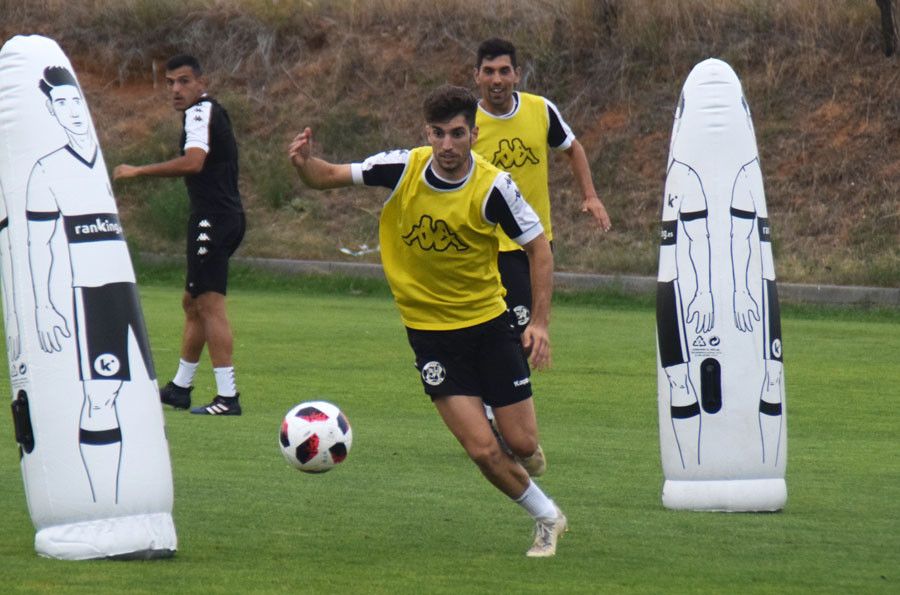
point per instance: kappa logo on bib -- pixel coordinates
(434, 234)
(433, 373)
(106, 364)
(513, 153)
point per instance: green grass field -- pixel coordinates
(408, 513)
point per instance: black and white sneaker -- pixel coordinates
(176, 396)
(220, 406)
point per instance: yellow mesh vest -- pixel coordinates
(438, 252)
(518, 144)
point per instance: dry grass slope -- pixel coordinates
(824, 97)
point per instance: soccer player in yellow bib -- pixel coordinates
(515, 133)
(439, 251)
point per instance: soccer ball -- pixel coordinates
(315, 436)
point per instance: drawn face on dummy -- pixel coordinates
(68, 107)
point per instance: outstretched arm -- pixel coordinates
(581, 169)
(190, 163)
(314, 172)
(536, 337)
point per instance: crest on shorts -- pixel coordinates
(433, 373)
(523, 315)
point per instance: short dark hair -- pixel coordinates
(494, 48)
(448, 101)
(184, 60)
(56, 76)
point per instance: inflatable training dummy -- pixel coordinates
(722, 416)
(94, 455)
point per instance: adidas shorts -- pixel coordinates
(211, 240)
(485, 361)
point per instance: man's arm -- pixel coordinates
(314, 172)
(701, 305)
(536, 337)
(582, 171)
(42, 213)
(745, 307)
(190, 163)
(51, 325)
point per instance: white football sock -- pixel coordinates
(536, 502)
(185, 375)
(225, 381)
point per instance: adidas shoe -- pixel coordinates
(546, 533)
(220, 406)
(536, 464)
(176, 396)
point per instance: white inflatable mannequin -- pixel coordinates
(95, 459)
(722, 424)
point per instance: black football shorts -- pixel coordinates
(211, 240)
(485, 360)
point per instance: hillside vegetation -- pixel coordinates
(824, 98)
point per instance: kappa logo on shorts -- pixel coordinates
(776, 347)
(523, 315)
(106, 364)
(433, 373)
(521, 382)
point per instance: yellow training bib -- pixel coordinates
(518, 144)
(438, 251)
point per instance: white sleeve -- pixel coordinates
(356, 173)
(747, 194)
(39, 195)
(196, 126)
(504, 206)
(383, 169)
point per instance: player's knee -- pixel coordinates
(487, 455)
(522, 445)
(210, 306)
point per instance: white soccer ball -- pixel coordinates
(315, 436)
